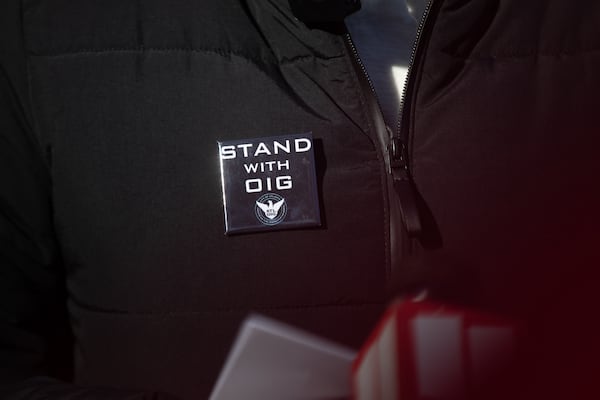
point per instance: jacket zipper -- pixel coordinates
(382, 136)
(399, 141)
(398, 145)
(363, 69)
(395, 150)
(374, 111)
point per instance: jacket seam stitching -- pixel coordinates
(506, 56)
(216, 310)
(143, 49)
(380, 159)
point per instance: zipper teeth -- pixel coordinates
(411, 61)
(364, 69)
(383, 159)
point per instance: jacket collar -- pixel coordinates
(291, 38)
(314, 61)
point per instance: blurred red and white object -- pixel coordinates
(422, 350)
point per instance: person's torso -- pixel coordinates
(130, 101)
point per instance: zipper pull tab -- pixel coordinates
(403, 187)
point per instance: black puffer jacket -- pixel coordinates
(111, 217)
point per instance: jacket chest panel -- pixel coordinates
(133, 137)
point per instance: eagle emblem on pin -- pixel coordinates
(270, 209)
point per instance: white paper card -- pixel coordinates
(271, 360)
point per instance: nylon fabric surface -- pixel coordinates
(112, 248)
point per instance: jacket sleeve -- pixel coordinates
(35, 340)
(31, 292)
